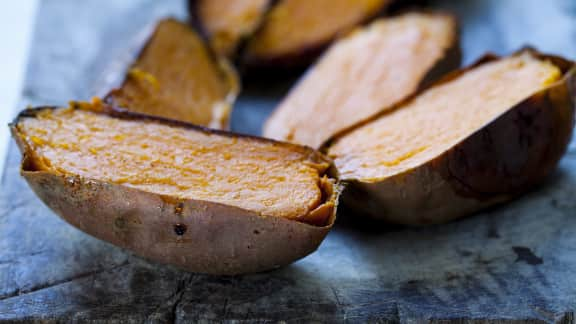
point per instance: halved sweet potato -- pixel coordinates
(294, 32)
(203, 200)
(227, 23)
(176, 76)
(481, 136)
(366, 73)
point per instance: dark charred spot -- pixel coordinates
(120, 222)
(525, 254)
(180, 229)
(256, 232)
(526, 117)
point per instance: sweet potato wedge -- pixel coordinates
(177, 76)
(365, 73)
(294, 32)
(204, 200)
(227, 23)
(481, 136)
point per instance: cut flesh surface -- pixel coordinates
(176, 77)
(227, 21)
(439, 118)
(269, 178)
(361, 75)
(295, 25)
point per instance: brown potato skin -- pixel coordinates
(197, 236)
(496, 163)
(227, 71)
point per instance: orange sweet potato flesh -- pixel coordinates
(279, 181)
(293, 31)
(439, 118)
(480, 136)
(366, 73)
(176, 76)
(228, 22)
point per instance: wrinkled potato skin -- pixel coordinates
(497, 163)
(218, 239)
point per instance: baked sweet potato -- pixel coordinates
(177, 76)
(480, 136)
(203, 200)
(294, 32)
(227, 23)
(365, 73)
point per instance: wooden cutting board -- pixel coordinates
(515, 262)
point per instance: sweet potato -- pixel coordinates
(365, 73)
(204, 200)
(294, 32)
(177, 76)
(480, 136)
(227, 23)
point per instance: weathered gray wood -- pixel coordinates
(515, 262)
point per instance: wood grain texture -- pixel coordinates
(512, 263)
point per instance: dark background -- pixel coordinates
(515, 262)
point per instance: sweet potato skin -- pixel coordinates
(195, 235)
(204, 237)
(498, 162)
(227, 72)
